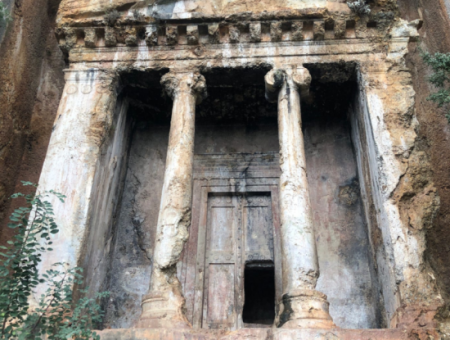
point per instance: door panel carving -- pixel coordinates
(232, 229)
(220, 305)
(258, 227)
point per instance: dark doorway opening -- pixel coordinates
(259, 287)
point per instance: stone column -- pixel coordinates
(301, 306)
(163, 306)
(82, 124)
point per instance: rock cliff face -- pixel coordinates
(433, 130)
(399, 139)
(31, 82)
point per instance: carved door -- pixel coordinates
(237, 230)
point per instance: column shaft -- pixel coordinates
(163, 306)
(302, 305)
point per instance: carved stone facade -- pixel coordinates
(188, 191)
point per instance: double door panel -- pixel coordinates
(236, 229)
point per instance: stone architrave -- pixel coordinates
(84, 120)
(302, 306)
(163, 306)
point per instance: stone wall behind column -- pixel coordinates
(131, 255)
(347, 272)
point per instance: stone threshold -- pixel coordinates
(254, 334)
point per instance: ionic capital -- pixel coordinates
(296, 76)
(189, 82)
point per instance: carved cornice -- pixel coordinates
(191, 33)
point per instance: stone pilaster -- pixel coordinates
(301, 306)
(83, 122)
(163, 306)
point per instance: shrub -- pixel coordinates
(111, 16)
(440, 64)
(360, 7)
(56, 316)
(4, 14)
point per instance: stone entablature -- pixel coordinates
(245, 27)
(170, 34)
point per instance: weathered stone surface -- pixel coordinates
(297, 31)
(31, 84)
(275, 31)
(131, 36)
(151, 35)
(255, 32)
(433, 128)
(163, 306)
(340, 27)
(319, 30)
(263, 334)
(235, 34)
(88, 104)
(171, 35)
(192, 34)
(214, 33)
(110, 37)
(74, 11)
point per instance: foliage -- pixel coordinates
(111, 16)
(56, 316)
(440, 64)
(360, 7)
(5, 17)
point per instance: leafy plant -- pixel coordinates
(111, 16)
(5, 16)
(360, 7)
(440, 64)
(56, 316)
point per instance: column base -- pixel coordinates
(163, 310)
(305, 309)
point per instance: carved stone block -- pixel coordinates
(192, 34)
(214, 33)
(171, 35)
(235, 34)
(319, 30)
(70, 36)
(89, 37)
(297, 31)
(255, 32)
(110, 37)
(361, 27)
(339, 29)
(275, 31)
(151, 35)
(131, 37)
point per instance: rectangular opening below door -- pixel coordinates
(259, 287)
